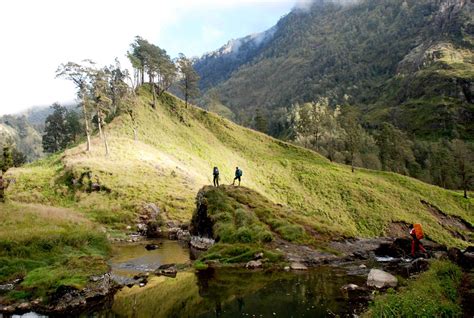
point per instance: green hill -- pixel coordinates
(173, 158)
(406, 62)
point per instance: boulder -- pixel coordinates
(151, 209)
(380, 279)
(350, 287)
(440, 255)
(258, 255)
(253, 264)
(173, 233)
(141, 228)
(24, 307)
(7, 287)
(183, 235)
(151, 247)
(465, 260)
(169, 270)
(298, 266)
(153, 230)
(201, 243)
(406, 268)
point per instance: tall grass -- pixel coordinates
(47, 248)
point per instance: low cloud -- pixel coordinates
(305, 5)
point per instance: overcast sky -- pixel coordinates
(36, 36)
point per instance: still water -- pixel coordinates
(227, 292)
(224, 292)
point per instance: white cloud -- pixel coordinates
(36, 36)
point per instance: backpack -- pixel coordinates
(239, 173)
(418, 231)
(216, 171)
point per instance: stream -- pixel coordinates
(225, 292)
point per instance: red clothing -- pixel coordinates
(415, 243)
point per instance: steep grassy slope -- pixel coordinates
(173, 159)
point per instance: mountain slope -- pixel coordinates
(217, 66)
(396, 59)
(26, 138)
(173, 159)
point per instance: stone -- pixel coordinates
(95, 186)
(183, 235)
(362, 266)
(151, 247)
(169, 270)
(36, 302)
(151, 209)
(380, 279)
(129, 227)
(258, 255)
(408, 269)
(440, 255)
(253, 264)
(286, 268)
(142, 228)
(96, 278)
(467, 260)
(201, 243)
(298, 266)
(350, 287)
(7, 287)
(173, 233)
(8, 309)
(166, 266)
(24, 306)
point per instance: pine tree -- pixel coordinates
(7, 160)
(188, 83)
(55, 136)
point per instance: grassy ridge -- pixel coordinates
(48, 247)
(174, 156)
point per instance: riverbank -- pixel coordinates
(46, 252)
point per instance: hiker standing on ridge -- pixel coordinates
(215, 173)
(416, 233)
(238, 175)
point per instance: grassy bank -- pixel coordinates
(433, 294)
(173, 158)
(47, 248)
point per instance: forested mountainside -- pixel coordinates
(406, 62)
(217, 66)
(22, 135)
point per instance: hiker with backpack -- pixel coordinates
(215, 173)
(416, 233)
(238, 175)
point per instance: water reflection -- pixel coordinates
(131, 259)
(237, 293)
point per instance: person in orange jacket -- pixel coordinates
(415, 242)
